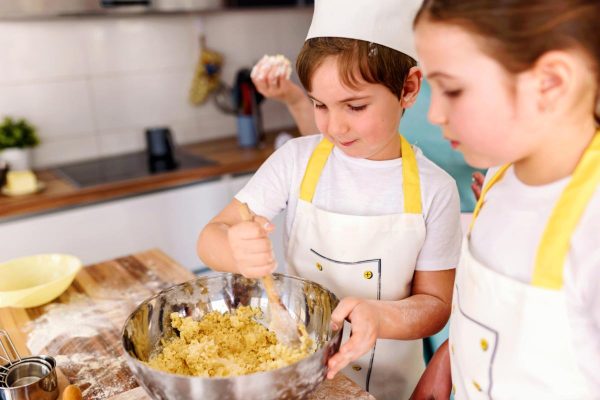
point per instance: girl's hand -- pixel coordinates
(251, 247)
(477, 184)
(436, 382)
(365, 330)
(278, 87)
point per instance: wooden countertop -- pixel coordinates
(82, 328)
(59, 193)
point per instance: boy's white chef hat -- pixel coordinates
(385, 22)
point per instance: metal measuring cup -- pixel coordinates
(24, 378)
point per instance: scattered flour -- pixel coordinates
(83, 334)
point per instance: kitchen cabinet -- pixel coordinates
(170, 220)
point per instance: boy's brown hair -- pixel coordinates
(357, 60)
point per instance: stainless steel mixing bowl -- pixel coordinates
(150, 322)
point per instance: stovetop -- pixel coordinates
(126, 167)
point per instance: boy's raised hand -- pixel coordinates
(251, 247)
(363, 316)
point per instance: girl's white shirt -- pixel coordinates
(354, 186)
(506, 237)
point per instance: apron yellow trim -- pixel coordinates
(497, 176)
(315, 166)
(411, 182)
(411, 185)
(556, 238)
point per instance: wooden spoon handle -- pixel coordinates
(72, 392)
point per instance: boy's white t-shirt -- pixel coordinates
(506, 237)
(354, 186)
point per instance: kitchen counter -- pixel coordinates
(60, 193)
(82, 328)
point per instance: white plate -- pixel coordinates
(40, 186)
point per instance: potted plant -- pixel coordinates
(17, 137)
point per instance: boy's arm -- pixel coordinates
(422, 314)
(246, 251)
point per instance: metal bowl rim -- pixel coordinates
(335, 337)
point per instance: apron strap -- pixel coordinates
(411, 185)
(315, 166)
(411, 182)
(556, 239)
(497, 176)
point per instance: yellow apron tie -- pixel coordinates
(555, 242)
(411, 183)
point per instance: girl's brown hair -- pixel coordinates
(518, 32)
(373, 62)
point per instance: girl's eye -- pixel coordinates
(357, 108)
(452, 93)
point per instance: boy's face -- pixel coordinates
(483, 111)
(362, 122)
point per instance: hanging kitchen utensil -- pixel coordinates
(207, 75)
(282, 322)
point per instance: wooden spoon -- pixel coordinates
(282, 322)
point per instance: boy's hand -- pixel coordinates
(365, 329)
(436, 382)
(251, 247)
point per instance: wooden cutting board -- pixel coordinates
(82, 328)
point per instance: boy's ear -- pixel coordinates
(412, 86)
(553, 73)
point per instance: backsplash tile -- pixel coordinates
(57, 108)
(139, 44)
(34, 51)
(92, 85)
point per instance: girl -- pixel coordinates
(515, 83)
(368, 216)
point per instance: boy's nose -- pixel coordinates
(336, 125)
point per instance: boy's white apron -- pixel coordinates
(371, 257)
(509, 339)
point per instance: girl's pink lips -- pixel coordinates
(453, 143)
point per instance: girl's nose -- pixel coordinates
(436, 113)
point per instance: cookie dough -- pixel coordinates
(224, 345)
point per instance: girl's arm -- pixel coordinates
(231, 245)
(436, 382)
(422, 314)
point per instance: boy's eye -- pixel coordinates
(320, 106)
(357, 108)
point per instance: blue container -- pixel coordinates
(247, 135)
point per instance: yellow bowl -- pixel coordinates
(36, 280)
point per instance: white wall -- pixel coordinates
(91, 85)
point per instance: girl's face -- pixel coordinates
(362, 122)
(482, 110)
